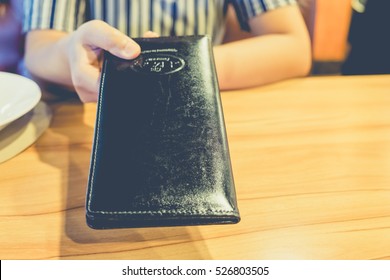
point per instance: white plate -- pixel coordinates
(18, 96)
(24, 131)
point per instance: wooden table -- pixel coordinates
(311, 161)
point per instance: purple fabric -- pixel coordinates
(11, 38)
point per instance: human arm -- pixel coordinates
(72, 59)
(277, 48)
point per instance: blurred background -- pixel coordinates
(348, 36)
(331, 27)
(351, 37)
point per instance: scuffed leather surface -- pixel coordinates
(160, 155)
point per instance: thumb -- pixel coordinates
(98, 34)
(151, 34)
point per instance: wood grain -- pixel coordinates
(311, 161)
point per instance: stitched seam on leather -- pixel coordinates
(97, 139)
(166, 212)
(131, 212)
(98, 124)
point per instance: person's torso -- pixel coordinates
(165, 17)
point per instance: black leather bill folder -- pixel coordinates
(160, 154)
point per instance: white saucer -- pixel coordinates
(18, 96)
(23, 132)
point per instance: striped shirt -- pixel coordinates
(135, 17)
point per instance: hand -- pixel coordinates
(73, 59)
(85, 48)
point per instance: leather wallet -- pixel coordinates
(160, 153)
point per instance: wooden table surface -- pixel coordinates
(311, 161)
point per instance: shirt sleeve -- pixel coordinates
(247, 9)
(63, 15)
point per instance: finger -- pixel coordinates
(85, 71)
(98, 34)
(151, 34)
(84, 74)
(86, 83)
